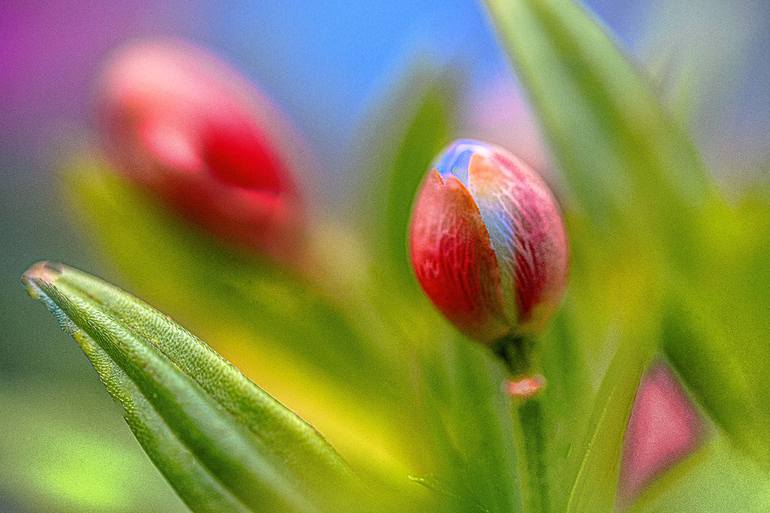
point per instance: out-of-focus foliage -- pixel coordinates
(714, 478)
(398, 144)
(660, 263)
(76, 459)
(644, 213)
(344, 331)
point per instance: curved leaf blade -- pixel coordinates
(208, 429)
(638, 177)
(596, 460)
(286, 333)
(610, 134)
(635, 172)
(470, 420)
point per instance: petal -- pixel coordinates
(453, 259)
(526, 233)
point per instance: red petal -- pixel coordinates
(453, 259)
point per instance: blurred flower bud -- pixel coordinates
(190, 130)
(664, 428)
(487, 242)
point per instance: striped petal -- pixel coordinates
(453, 259)
(526, 233)
(488, 243)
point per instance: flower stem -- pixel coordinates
(532, 446)
(529, 426)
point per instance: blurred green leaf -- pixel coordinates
(714, 479)
(645, 201)
(56, 458)
(636, 179)
(401, 139)
(629, 165)
(640, 179)
(595, 460)
(567, 395)
(469, 418)
(717, 322)
(222, 442)
(716, 335)
(282, 331)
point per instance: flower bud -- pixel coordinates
(190, 130)
(487, 242)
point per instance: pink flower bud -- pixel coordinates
(487, 242)
(664, 428)
(193, 132)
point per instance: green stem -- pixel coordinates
(530, 422)
(530, 417)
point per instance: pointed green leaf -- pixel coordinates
(279, 328)
(222, 442)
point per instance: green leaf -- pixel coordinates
(714, 479)
(567, 395)
(629, 165)
(56, 458)
(716, 338)
(401, 140)
(635, 179)
(222, 442)
(469, 422)
(641, 184)
(593, 466)
(281, 330)
(717, 322)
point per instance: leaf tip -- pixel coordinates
(40, 273)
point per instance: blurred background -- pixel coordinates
(63, 447)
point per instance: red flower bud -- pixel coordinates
(487, 242)
(190, 130)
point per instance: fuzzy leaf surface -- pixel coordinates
(222, 442)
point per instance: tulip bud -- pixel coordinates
(487, 242)
(190, 130)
